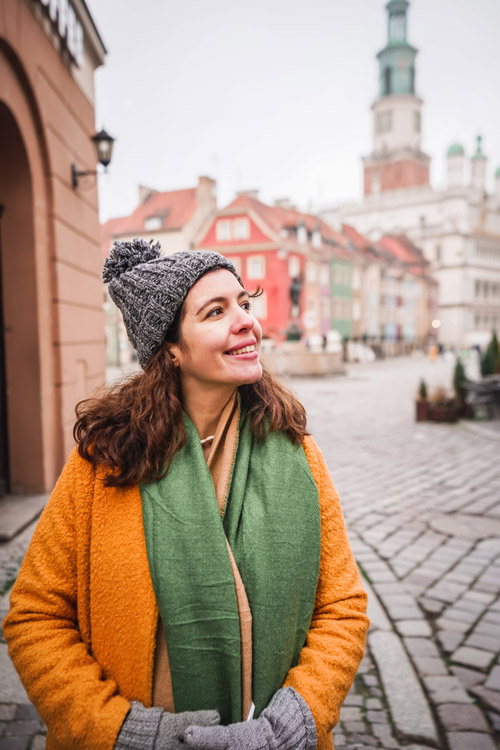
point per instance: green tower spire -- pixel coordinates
(479, 153)
(397, 59)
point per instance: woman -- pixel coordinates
(190, 582)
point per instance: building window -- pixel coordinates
(241, 229)
(152, 223)
(438, 253)
(223, 230)
(397, 28)
(384, 121)
(293, 267)
(412, 89)
(256, 267)
(387, 81)
(302, 234)
(237, 264)
(324, 275)
(312, 274)
(259, 306)
(418, 121)
(477, 288)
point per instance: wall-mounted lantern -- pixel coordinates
(103, 143)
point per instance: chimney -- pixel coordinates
(206, 190)
(254, 194)
(284, 203)
(145, 192)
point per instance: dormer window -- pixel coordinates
(241, 229)
(302, 234)
(316, 238)
(152, 223)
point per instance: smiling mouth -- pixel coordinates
(243, 350)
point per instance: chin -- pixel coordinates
(250, 377)
(255, 377)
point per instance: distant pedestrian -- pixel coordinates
(190, 583)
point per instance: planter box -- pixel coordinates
(444, 414)
(421, 411)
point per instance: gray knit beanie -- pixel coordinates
(149, 287)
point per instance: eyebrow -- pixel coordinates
(243, 293)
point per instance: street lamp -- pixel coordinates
(103, 143)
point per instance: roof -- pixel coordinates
(174, 207)
(403, 250)
(278, 218)
(456, 149)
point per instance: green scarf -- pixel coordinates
(272, 523)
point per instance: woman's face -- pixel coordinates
(219, 337)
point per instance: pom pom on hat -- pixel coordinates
(126, 255)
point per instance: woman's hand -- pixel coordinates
(285, 724)
(156, 729)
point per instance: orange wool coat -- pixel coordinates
(83, 620)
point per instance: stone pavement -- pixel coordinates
(422, 504)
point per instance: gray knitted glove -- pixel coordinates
(156, 729)
(286, 723)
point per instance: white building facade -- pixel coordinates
(458, 228)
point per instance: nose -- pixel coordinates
(242, 321)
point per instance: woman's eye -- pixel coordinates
(213, 313)
(247, 305)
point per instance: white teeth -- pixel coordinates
(244, 350)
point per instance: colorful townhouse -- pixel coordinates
(365, 285)
(409, 292)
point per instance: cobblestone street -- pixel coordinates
(422, 504)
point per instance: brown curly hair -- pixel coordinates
(135, 426)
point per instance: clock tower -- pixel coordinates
(396, 160)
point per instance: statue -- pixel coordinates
(295, 290)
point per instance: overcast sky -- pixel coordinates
(276, 94)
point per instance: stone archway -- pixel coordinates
(20, 400)
(31, 363)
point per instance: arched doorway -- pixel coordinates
(21, 450)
